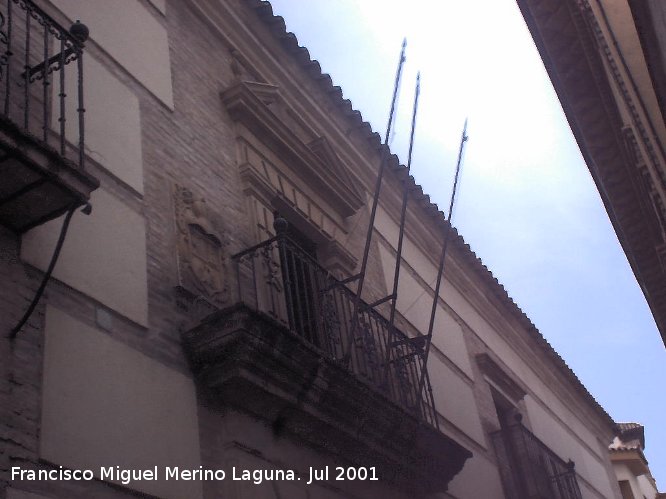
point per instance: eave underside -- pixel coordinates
(577, 72)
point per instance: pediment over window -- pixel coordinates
(322, 148)
(310, 158)
(497, 376)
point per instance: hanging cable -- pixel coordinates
(47, 274)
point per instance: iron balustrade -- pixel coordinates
(279, 278)
(530, 469)
(35, 76)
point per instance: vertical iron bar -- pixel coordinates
(424, 398)
(431, 400)
(344, 324)
(254, 281)
(360, 340)
(237, 264)
(61, 95)
(307, 299)
(45, 83)
(393, 390)
(383, 367)
(340, 309)
(348, 309)
(367, 345)
(81, 110)
(404, 385)
(412, 372)
(370, 346)
(403, 216)
(319, 281)
(412, 376)
(380, 353)
(380, 340)
(414, 379)
(334, 313)
(9, 57)
(315, 300)
(373, 337)
(361, 355)
(357, 356)
(275, 300)
(419, 398)
(286, 281)
(415, 371)
(294, 291)
(26, 104)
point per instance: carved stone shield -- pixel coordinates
(202, 261)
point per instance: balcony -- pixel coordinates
(289, 353)
(530, 469)
(41, 126)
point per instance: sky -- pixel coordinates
(527, 204)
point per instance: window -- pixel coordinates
(625, 489)
(298, 258)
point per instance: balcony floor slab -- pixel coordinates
(246, 360)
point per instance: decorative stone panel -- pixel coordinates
(202, 259)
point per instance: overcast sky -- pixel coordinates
(527, 204)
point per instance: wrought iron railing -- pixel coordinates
(530, 469)
(281, 279)
(36, 76)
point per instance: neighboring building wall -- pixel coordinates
(629, 463)
(639, 486)
(635, 98)
(614, 17)
(99, 377)
(609, 77)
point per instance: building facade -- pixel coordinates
(609, 76)
(202, 318)
(631, 467)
